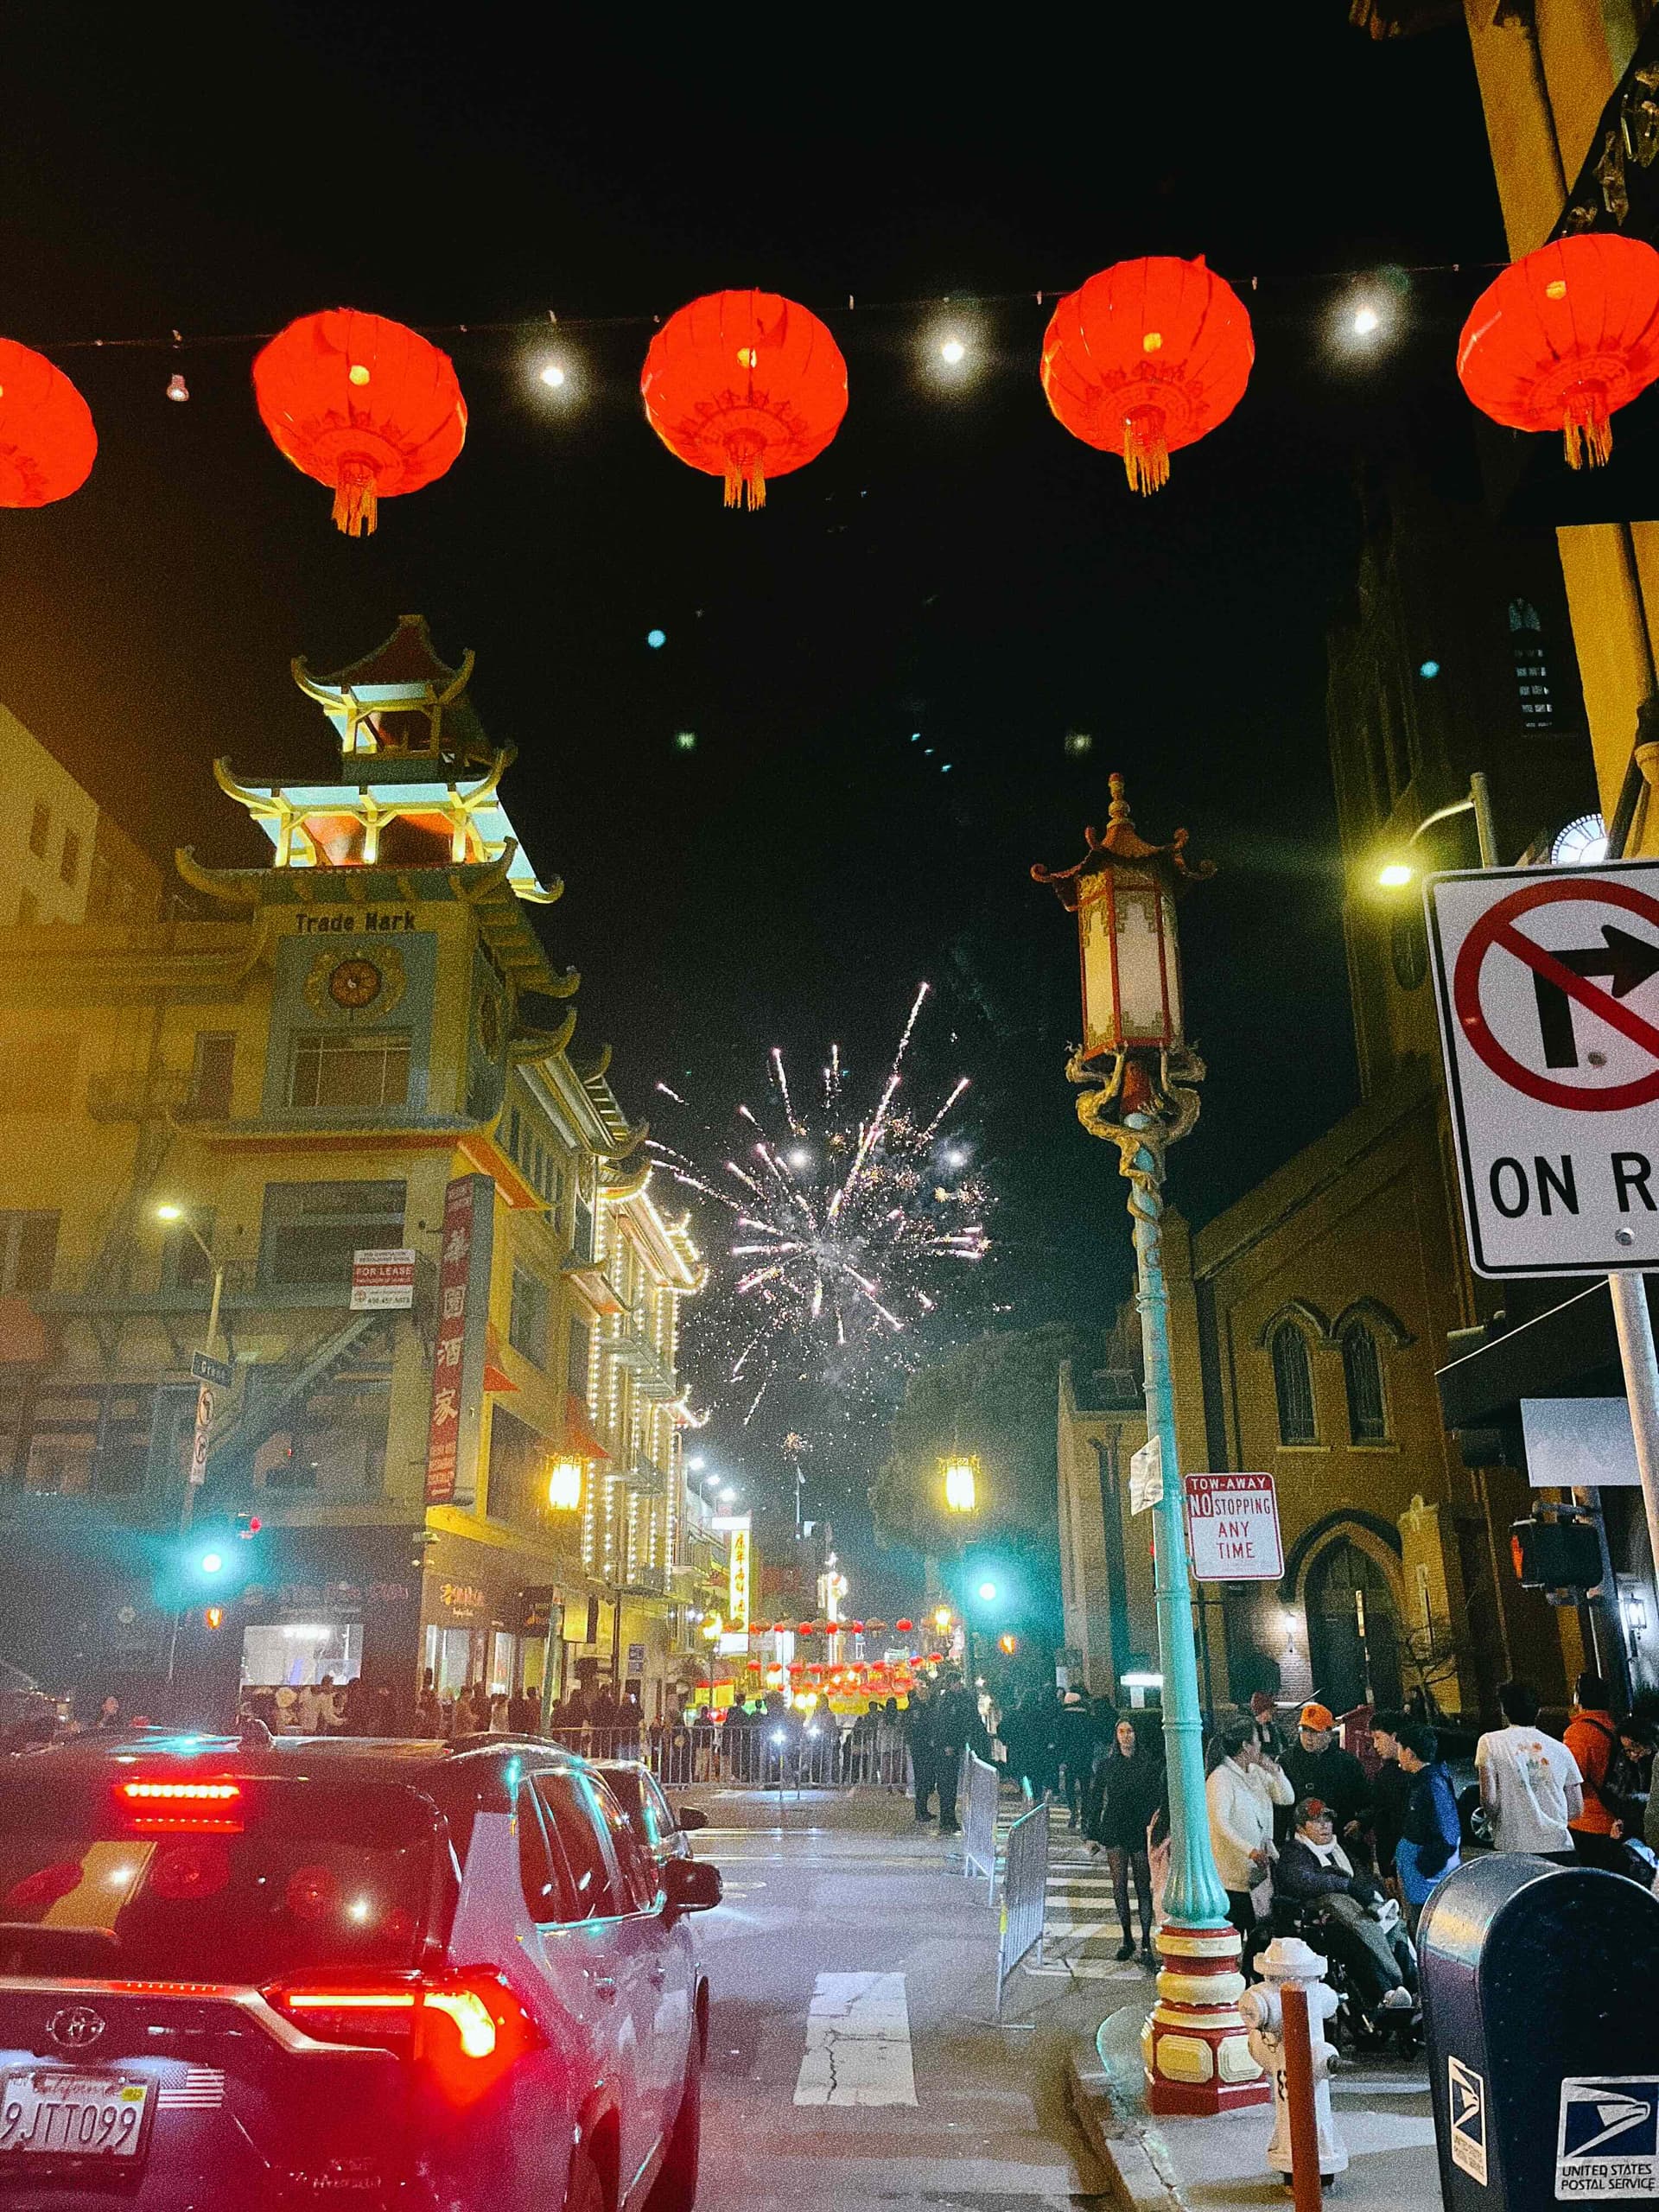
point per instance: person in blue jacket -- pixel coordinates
(1430, 1839)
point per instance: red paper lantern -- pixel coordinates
(804, 1628)
(780, 1628)
(745, 386)
(361, 404)
(904, 1627)
(1144, 358)
(858, 1628)
(48, 443)
(1564, 338)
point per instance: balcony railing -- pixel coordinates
(633, 1349)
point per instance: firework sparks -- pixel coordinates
(846, 1229)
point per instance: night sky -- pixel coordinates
(954, 564)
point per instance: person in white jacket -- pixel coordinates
(1242, 1786)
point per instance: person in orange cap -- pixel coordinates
(1319, 1767)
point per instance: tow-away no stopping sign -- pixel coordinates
(1547, 984)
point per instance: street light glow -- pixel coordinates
(170, 1213)
(727, 1493)
(1396, 874)
(552, 375)
(1367, 321)
(987, 1591)
(961, 1486)
(952, 350)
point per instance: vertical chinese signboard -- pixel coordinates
(458, 1355)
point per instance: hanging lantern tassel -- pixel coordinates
(357, 506)
(746, 478)
(1146, 457)
(1588, 428)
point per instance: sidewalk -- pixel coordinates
(1381, 2107)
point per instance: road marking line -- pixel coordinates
(857, 2042)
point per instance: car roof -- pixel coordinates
(465, 1764)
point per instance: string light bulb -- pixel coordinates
(176, 386)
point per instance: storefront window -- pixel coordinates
(296, 1652)
(449, 1654)
(503, 1658)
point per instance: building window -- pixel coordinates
(312, 1230)
(349, 1070)
(527, 1329)
(29, 1245)
(69, 858)
(1293, 1385)
(210, 1074)
(1531, 668)
(518, 1455)
(39, 829)
(576, 1372)
(1361, 1376)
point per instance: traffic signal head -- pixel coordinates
(988, 1593)
(1008, 1644)
(1555, 1554)
(214, 1617)
(210, 1561)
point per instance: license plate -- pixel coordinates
(72, 2115)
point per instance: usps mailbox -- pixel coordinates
(1540, 2003)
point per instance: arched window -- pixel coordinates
(1293, 1385)
(1531, 669)
(1361, 1376)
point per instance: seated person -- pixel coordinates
(1314, 1872)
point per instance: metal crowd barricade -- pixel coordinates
(1024, 1894)
(754, 1751)
(977, 1790)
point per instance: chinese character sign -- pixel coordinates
(458, 1354)
(737, 1609)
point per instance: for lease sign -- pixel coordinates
(1232, 1529)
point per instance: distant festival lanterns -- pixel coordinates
(1564, 338)
(48, 443)
(745, 386)
(1144, 358)
(362, 403)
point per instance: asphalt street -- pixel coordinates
(854, 2058)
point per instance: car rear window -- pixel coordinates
(293, 1874)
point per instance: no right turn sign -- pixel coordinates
(1547, 986)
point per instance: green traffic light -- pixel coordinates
(987, 1591)
(211, 1562)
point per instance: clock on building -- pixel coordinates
(355, 984)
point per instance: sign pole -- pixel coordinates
(1637, 1357)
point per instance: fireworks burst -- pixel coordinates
(846, 1230)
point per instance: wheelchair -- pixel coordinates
(1355, 2032)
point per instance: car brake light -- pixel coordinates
(217, 1793)
(182, 1808)
(466, 2030)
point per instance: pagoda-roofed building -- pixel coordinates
(419, 786)
(328, 1131)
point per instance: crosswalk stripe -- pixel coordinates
(857, 2042)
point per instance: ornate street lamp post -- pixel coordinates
(1138, 1073)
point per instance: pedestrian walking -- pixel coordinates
(1134, 1788)
(1529, 1785)
(1391, 1788)
(1593, 1741)
(1102, 1720)
(1319, 1767)
(919, 1737)
(1075, 1741)
(955, 1727)
(1430, 1837)
(1241, 1789)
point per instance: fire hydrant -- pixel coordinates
(1287, 1960)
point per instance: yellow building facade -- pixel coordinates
(308, 1070)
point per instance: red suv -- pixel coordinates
(392, 1977)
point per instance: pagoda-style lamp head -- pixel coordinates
(961, 1484)
(564, 1485)
(1123, 896)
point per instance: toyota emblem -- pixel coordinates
(77, 2027)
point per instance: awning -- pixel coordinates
(1572, 1351)
(579, 1434)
